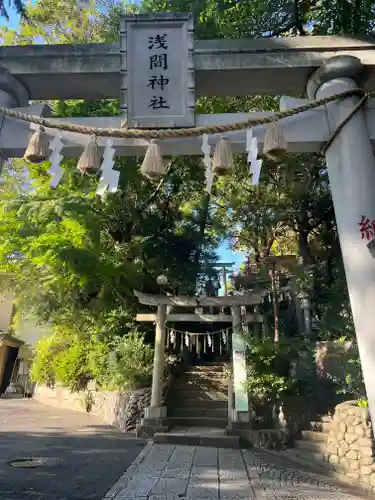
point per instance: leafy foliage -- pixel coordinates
(270, 369)
(130, 362)
(122, 363)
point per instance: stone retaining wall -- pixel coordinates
(351, 445)
(121, 409)
(269, 439)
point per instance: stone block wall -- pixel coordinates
(351, 445)
(269, 439)
(118, 408)
(121, 409)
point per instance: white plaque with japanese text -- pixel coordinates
(241, 400)
(157, 68)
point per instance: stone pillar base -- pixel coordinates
(239, 420)
(145, 430)
(155, 412)
(240, 416)
(155, 420)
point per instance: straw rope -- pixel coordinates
(179, 132)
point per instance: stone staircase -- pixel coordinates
(198, 408)
(312, 446)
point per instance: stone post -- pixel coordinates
(351, 169)
(306, 310)
(156, 410)
(241, 401)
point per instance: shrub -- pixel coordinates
(70, 366)
(350, 382)
(130, 363)
(60, 358)
(122, 362)
(42, 369)
(270, 369)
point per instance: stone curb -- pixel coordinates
(129, 473)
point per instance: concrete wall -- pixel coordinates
(28, 328)
(6, 307)
(30, 332)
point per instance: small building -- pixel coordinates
(16, 345)
(9, 361)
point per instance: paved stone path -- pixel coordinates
(167, 472)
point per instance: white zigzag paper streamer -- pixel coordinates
(55, 158)
(252, 157)
(207, 161)
(110, 178)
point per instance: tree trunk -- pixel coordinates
(303, 248)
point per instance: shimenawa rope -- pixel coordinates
(182, 132)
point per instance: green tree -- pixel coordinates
(76, 259)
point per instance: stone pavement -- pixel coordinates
(168, 472)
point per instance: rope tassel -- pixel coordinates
(222, 161)
(89, 162)
(153, 165)
(274, 142)
(38, 149)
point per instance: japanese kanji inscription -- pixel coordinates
(157, 71)
(367, 228)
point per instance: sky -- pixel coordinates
(224, 252)
(13, 19)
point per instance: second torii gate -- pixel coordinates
(350, 159)
(156, 412)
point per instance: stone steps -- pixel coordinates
(204, 403)
(205, 411)
(215, 441)
(199, 399)
(175, 396)
(315, 436)
(320, 426)
(313, 446)
(208, 422)
(208, 367)
(206, 386)
(202, 380)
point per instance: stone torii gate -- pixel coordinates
(320, 66)
(156, 412)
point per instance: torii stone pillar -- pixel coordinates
(156, 410)
(12, 95)
(351, 170)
